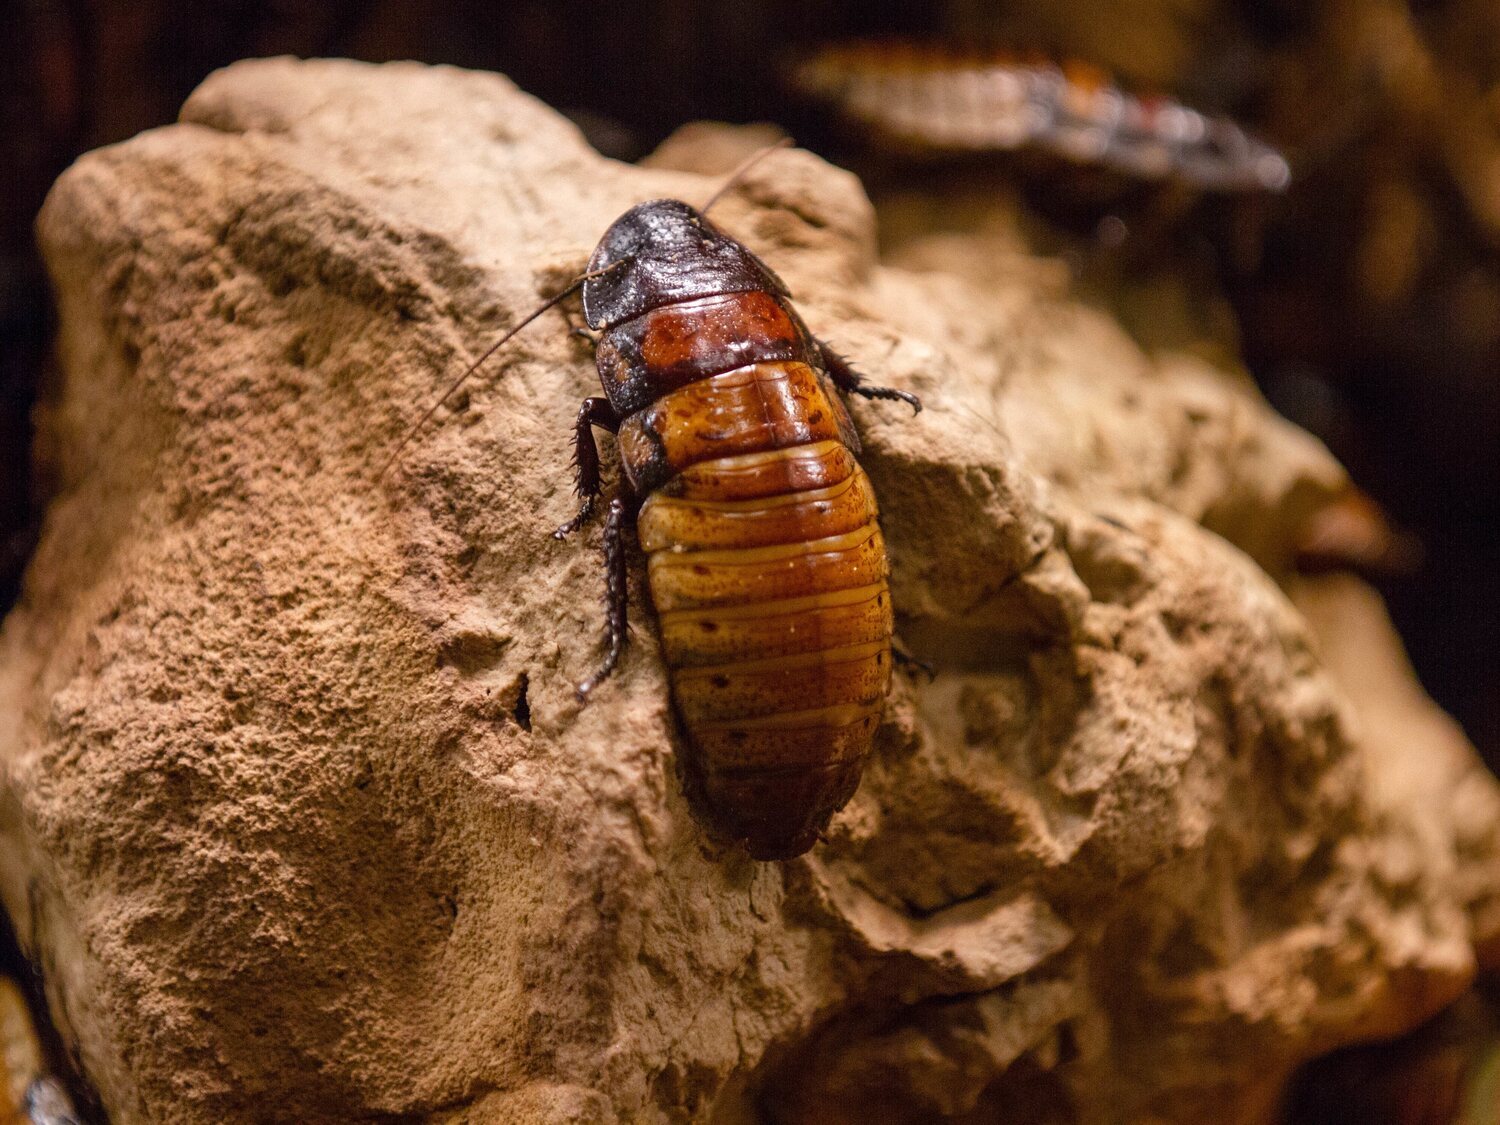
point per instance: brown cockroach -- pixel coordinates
(766, 565)
(942, 99)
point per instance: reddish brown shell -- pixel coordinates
(766, 564)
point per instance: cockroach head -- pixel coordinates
(670, 253)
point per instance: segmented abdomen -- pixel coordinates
(768, 574)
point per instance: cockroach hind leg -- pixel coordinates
(581, 517)
(616, 597)
(851, 382)
(586, 688)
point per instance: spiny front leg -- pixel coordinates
(593, 412)
(616, 596)
(848, 380)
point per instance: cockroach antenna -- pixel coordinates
(739, 173)
(573, 287)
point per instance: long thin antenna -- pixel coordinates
(739, 173)
(572, 288)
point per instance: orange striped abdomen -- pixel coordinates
(768, 574)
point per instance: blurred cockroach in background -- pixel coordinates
(940, 99)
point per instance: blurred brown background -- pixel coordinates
(1370, 313)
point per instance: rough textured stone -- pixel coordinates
(304, 823)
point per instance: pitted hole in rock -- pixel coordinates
(521, 708)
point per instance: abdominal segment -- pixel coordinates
(768, 574)
(751, 409)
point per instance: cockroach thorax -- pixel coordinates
(673, 253)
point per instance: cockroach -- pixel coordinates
(942, 99)
(765, 561)
(31, 1096)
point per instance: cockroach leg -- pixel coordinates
(851, 382)
(616, 596)
(593, 412)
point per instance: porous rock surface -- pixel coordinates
(302, 820)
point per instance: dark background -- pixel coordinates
(1369, 305)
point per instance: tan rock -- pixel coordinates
(289, 846)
